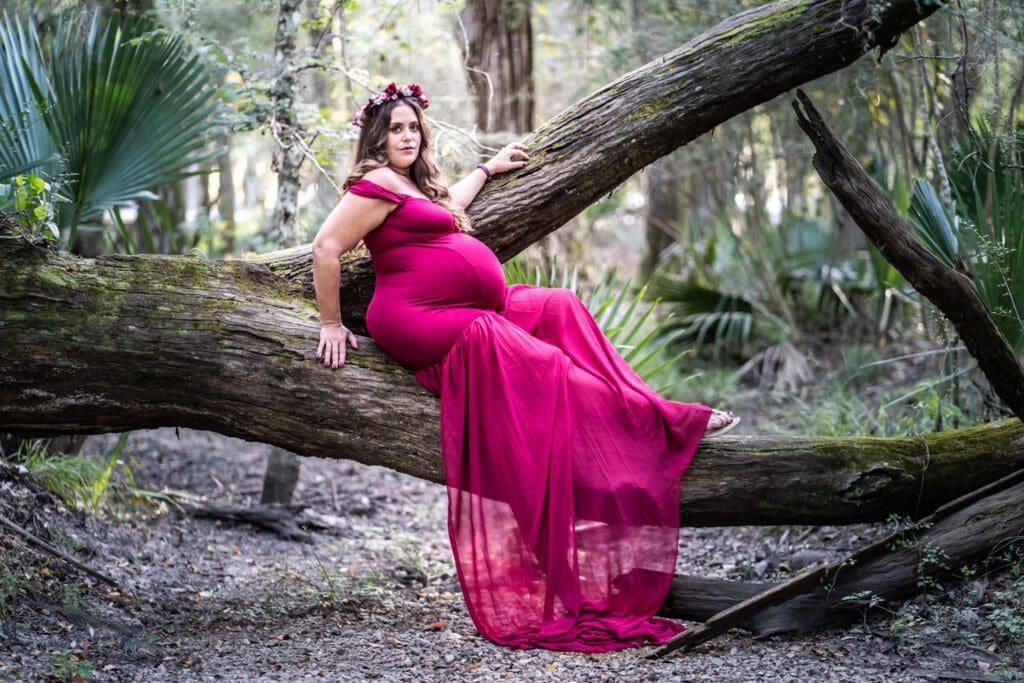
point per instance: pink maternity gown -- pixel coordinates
(562, 465)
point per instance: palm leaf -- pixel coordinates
(932, 224)
(25, 144)
(986, 181)
(129, 107)
(706, 316)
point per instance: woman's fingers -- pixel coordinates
(331, 348)
(518, 150)
(328, 348)
(512, 155)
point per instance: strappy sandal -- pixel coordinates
(724, 429)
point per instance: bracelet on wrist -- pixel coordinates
(483, 167)
(330, 323)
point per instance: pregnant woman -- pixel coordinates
(562, 465)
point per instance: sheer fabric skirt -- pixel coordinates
(563, 471)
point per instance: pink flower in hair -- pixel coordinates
(392, 92)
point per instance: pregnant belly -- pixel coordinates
(420, 308)
(452, 270)
(458, 271)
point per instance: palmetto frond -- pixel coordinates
(621, 313)
(988, 231)
(128, 107)
(705, 315)
(25, 143)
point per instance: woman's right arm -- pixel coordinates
(351, 220)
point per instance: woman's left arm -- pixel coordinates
(510, 157)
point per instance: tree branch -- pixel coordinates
(583, 153)
(952, 291)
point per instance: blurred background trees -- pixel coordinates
(770, 299)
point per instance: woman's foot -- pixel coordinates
(721, 422)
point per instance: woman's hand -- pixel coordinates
(511, 157)
(332, 344)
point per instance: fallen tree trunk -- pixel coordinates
(120, 343)
(593, 146)
(934, 556)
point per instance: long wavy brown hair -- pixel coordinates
(370, 153)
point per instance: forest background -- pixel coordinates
(770, 300)
(758, 268)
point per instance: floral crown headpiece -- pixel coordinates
(392, 92)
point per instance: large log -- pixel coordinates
(119, 343)
(586, 151)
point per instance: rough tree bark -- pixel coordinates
(935, 555)
(130, 342)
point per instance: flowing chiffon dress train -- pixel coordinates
(562, 466)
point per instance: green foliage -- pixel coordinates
(72, 596)
(30, 202)
(932, 561)
(932, 224)
(25, 144)
(140, 642)
(13, 587)
(115, 111)
(71, 664)
(706, 316)
(722, 305)
(78, 481)
(1007, 603)
(629, 323)
(861, 397)
(987, 232)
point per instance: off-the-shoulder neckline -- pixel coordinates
(402, 194)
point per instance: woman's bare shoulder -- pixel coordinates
(386, 178)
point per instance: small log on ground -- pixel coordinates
(937, 553)
(290, 522)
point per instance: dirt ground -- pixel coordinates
(376, 596)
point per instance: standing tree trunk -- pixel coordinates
(663, 182)
(499, 63)
(282, 473)
(226, 195)
(662, 212)
(320, 17)
(285, 130)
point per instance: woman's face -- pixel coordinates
(404, 138)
